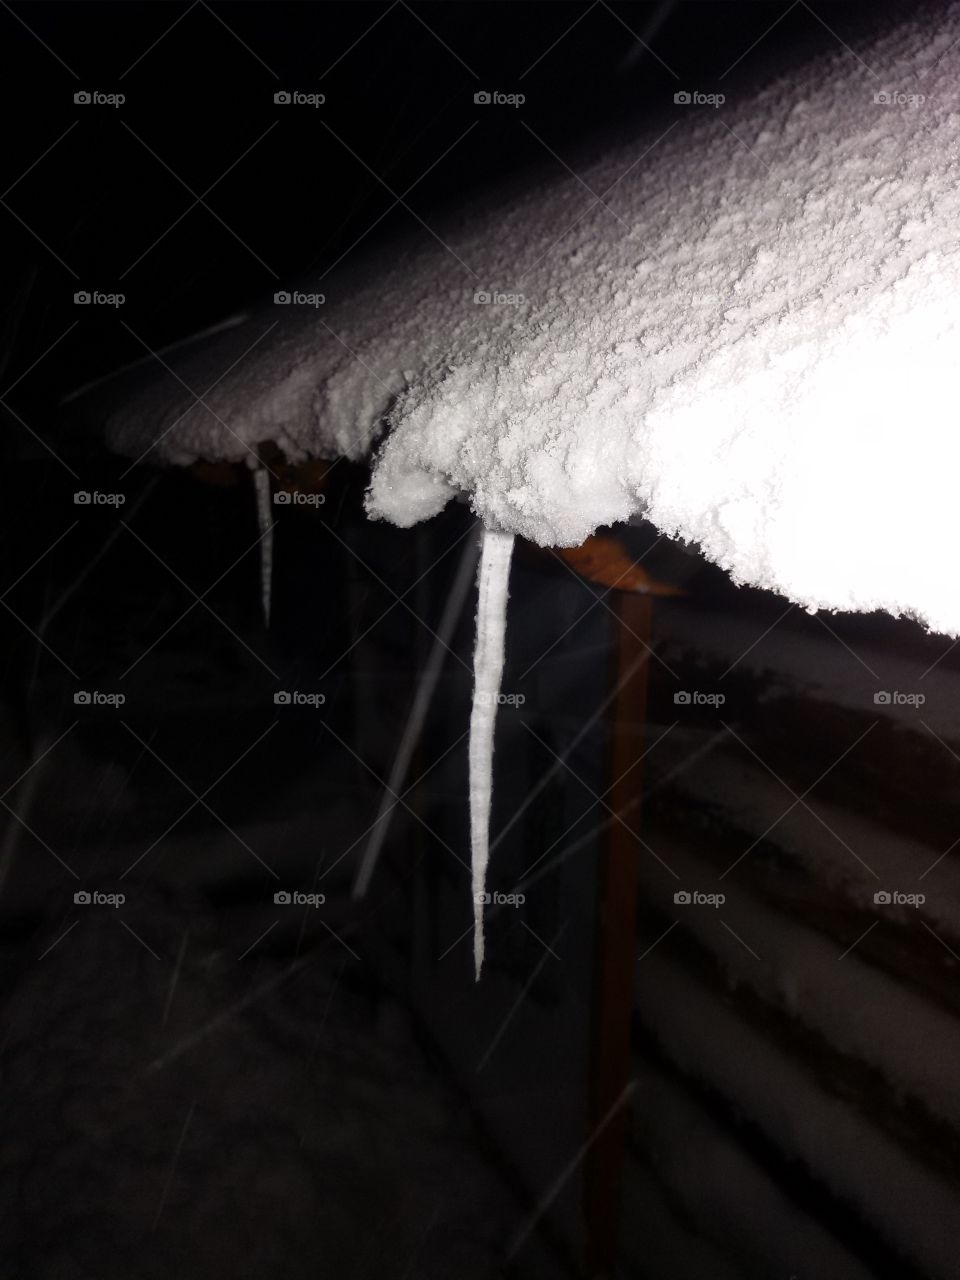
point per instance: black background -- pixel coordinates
(94, 1147)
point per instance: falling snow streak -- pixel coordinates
(392, 795)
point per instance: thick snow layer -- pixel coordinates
(750, 336)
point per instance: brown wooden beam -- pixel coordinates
(616, 945)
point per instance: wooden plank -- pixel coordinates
(616, 946)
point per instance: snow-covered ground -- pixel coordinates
(175, 1113)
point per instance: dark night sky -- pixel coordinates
(197, 198)
(103, 197)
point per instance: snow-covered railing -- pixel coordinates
(749, 337)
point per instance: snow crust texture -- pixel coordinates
(749, 334)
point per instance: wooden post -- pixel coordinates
(602, 560)
(616, 945)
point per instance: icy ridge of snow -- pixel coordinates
(794, 664)
(870, 1016)
(749, 799)
(753, 361)
(909, 1206)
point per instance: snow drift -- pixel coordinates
(742, 324)
(747, 332)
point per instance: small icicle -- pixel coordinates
(487, 671)
(261, 484)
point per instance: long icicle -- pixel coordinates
(497, 549)
(261, 484)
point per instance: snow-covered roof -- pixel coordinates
(742, 322)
